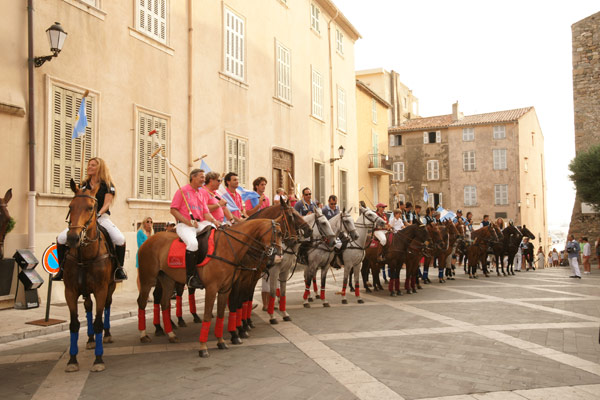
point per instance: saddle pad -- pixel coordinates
(176, 256)
(374, 244)
(211, 249)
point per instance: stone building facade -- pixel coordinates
(586, 99)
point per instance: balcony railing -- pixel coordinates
(380, 161)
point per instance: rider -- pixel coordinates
(331, 209)
(305, 206)
(216, 205)
(98, 174)
(189, 225)
(254, 205)
(380, 234)
(232, 181)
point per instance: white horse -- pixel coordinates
(320, 253)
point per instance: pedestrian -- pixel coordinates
(587, 253)
(146, 230)
(305, 206)
(549, 261)
(253, 205)
(518, 261)
(279, 195)
(331, 209)
(170, 227)
(292, 197)
(541, 258)
(598, 252)
(572, 250)
(527, 250)
(554, 257)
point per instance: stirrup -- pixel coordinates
(58, 276)
(194, 282)
(119, 275)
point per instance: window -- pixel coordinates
(399, 197)
(432, 137)
(66, 152)
(501, 195)
(152, 172)
(499, 158)
(468, 134)
(374, 111)
(470, 193)
(237, 158)
(395, 140)
(152, 18)
(234, 45)
(317, 94)
(284, 85)
(343, 198)
(341, 95)
(433, 170)
(499, 132)
(93, 3)
(501, 215)
(319, 183)
(314, 18)
(398, 169)
(468, 160)
(339, 41)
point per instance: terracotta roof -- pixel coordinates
(445, 121)
(361, 85)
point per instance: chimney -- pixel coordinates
(456, 115)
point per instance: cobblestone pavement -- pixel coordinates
(531, 336)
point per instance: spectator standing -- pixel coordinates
(554, 257)
(572, 250)
(146, 230)
(587, 254)
(292, 198)
(541, 257)
(279, 195)
(527, 250)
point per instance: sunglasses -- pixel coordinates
(308, 194)
(148, 222)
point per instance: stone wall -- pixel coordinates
(586, 98)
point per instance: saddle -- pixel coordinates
(206, 246)
(110, 246)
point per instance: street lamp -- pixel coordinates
(341, 151)
(56, 37)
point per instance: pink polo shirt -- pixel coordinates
(237, 199)
(265, 204)
(208, 197)
(198, 207)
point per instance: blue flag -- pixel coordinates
(81, 122)
(204, 166)
(248, 194)
(425, 195)
(230, 202)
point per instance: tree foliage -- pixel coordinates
(585, 168)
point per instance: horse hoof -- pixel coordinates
(392, 294)
(107, 339)
(326, 305)
(159, 331)
(273, 321)
(174, 325)
(385, 281)
(287, 318)
(306, 305)
(421, 287)
(98, 367)
(344, 301)
(398, 292)
(145, 339)
(310, 299)
(243, 334)
(173, 339)
(318, 296)
(236, 340)
(368, 290)
(221, 346)
(197, 319)
(407, 291)
(181, 323)
(72, 368)
(90, 345)
(360, 301)
(414, 290)
(251, 324)
(203, 353)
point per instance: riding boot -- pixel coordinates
(193, 280)
(61, 250)
(120, 274)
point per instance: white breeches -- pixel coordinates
(574, 263)
(380, 235)
(115, 234)
(188, 234)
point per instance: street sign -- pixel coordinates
(50, 259)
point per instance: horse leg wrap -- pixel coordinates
(244, 311)
(98, 326)
(178, 306)
(74, 338)
(282, 304)
(166, 314)
(156, 319)
(344, 289)
(357, 290)
(397, 284)
(271, 307)
(204, 331)
(219, 327)
(141, 319)
(90, 323)
(231, 324)
(391, 285)
(249, 309)
(107, 318)
(238, 317)
(441, 273)
(407, 283)
(192, 300)
(314, 282)
(306, 292)
(413, 282)
(322, 294)
(278, 293)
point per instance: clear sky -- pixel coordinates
(488, 55)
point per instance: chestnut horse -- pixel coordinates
(477, 251)
(4, 220)
(88, 269)
(219, 275)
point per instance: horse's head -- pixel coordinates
(372, 217)
(460, 228)
(323, 227)
(82, 214)
(423, 236)
(498, 231)
(452, 230)
(436, 236)
(527, 232)
(5, 220)
(347, 224)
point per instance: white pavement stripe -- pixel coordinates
(363, 385)
(60, 385)
(581, 392)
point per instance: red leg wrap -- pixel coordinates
(271, 308)
(282, 303)
(407, 283)
(141, 319)
(397, 283)
(219, 327)
(156, 319)
(315, 285)
(244, 310)
(391, 285)
(231, 325)
(167, 320)
(306, 292)
(178, 306)
(278, 293)
(357, 290)
(192, 300)
(322, 294)
(249, 309)
(204, 332)
(238, 317)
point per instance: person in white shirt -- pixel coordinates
(587, 253)
(396, 220)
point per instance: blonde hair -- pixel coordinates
(103, 173)
(151, 227)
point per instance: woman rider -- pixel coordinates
(98, 174)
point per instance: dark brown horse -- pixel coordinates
(5, 220)
(477, 251)
(88, 269)
(219, 275)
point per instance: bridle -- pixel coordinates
(84, 240)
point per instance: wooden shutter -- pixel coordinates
(425, 137)
(322, 183)
(234, 44)
(438, 137)
(243, 161)
(144, 184)
(152, 172)
(152, 18)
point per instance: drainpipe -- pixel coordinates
(190, 85)
(31, 125)
(331, 150)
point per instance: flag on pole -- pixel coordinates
(425, 195)
(230, 202)
(248, 194)
(81, 122)
(204, 166)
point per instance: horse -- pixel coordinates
(5, 220)
(499, 250)
(477, 251)
(219, 275)
(513, 235)
(450, 234)
(320, 254)
(88, 269)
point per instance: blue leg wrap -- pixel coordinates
(107, 318)
(90, 326)
(383, 270)
(440, 273)
(74, 338)
(99, 350)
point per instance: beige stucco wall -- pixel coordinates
(126, 71)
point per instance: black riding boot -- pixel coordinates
(193, 279)
(120, 274)
(61, 250)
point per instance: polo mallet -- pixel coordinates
(200, 158)
(293, 182)
(176, 181)
(359, 190)
(160, 153)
